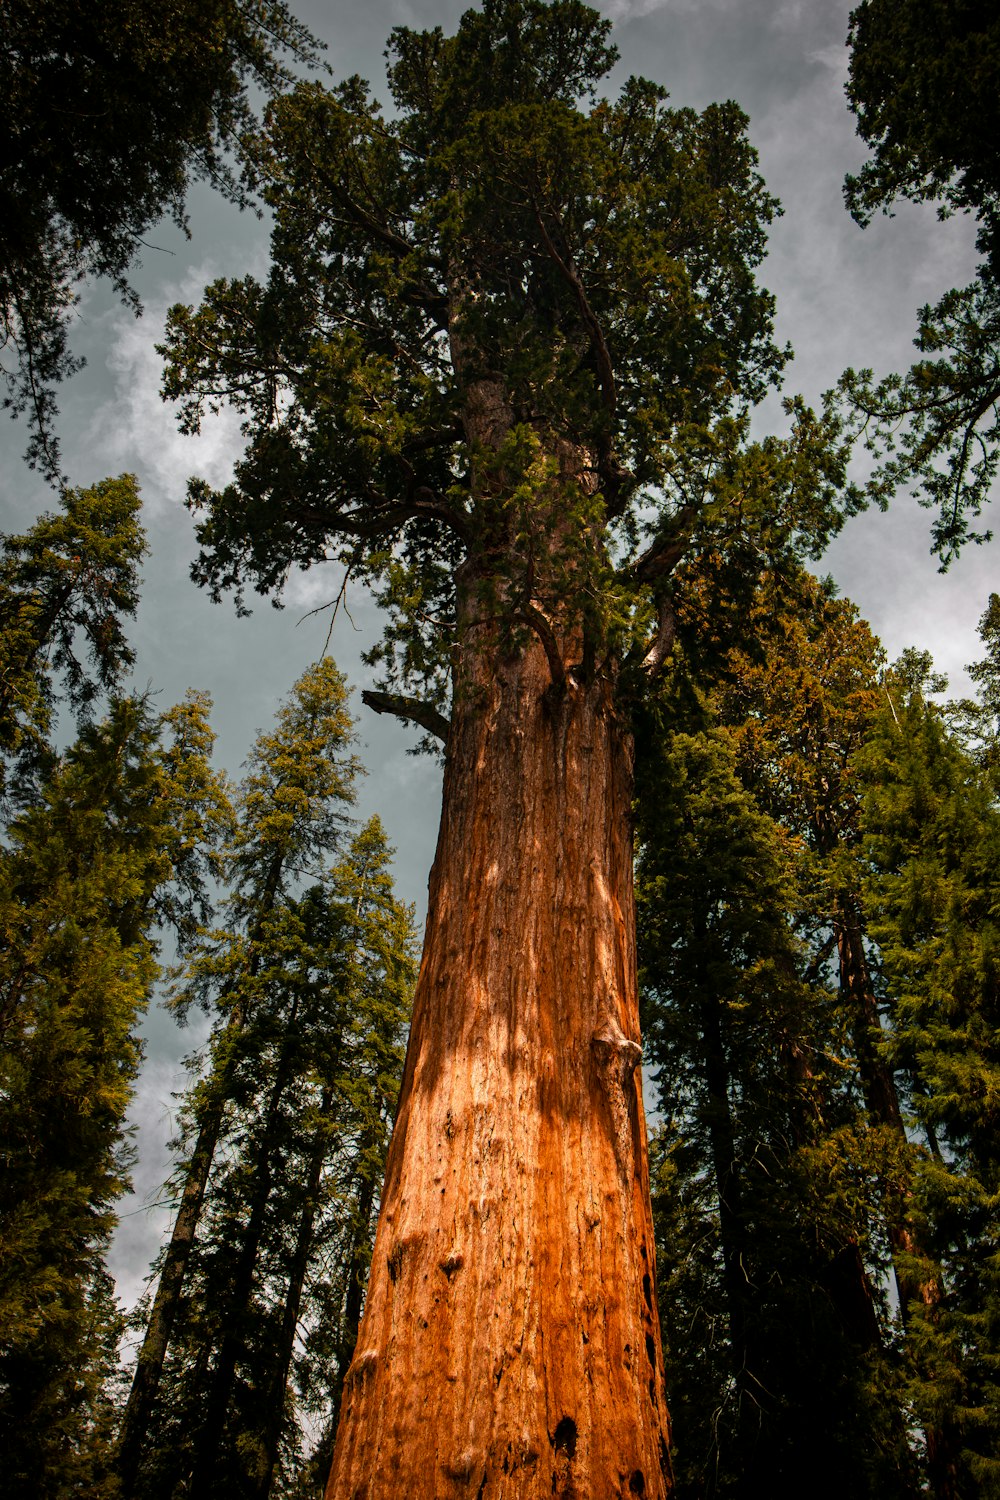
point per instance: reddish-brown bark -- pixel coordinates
(510, 1345)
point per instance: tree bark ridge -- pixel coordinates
(510, 1345)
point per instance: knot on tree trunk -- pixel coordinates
(615, 1052)
(617, 1058)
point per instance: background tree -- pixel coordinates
(106, 115)
(816, 935)
(290, 814)
(931, 832)
(65, 586)
(502, 367)
(279, 1261)
(83, 884)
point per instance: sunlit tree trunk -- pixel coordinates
(510, 1344)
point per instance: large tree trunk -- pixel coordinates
(510, 1345)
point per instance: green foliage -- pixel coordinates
(510, 335)
(932, 844)
(64, 587)
(83, 882)
(106, 114)
(816, 882)
(272, 1293)
(923, 86)
(937, 427)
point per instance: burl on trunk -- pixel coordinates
(510, 1345)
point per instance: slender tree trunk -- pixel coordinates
(882, 1100)
(732, 1223)
(275, 1399)
(357, 1280)
(149, 1365)
(879, 1086)
(220, 1391)
(510, 1345)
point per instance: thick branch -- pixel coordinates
(542, 626)
(661, 645)
(412, 709)
(605, 369)
(661, 558)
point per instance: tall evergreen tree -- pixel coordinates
(932, 836)
(278, 1265)
(83, 884)
(768, 1209)
(502, 367)
(65, 587)
(290, 813)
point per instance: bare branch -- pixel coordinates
(413, 709)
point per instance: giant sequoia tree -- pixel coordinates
(501, 368)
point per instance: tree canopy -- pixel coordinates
(107, 113)
(508, 287)
(923, 86)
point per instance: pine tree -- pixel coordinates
(66, 584)
(290, 813)
(83, 884)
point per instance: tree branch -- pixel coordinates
(660, 646)
(383, 516)
(542, 626)
(413, 709)
(605, 369)
(662, 556)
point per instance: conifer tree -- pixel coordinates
(279, 1260)
(290, 813)
(501, 367)
(886, 824)
(65, 587)
(83, 885)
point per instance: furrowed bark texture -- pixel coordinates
(510, 1345)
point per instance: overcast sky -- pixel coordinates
(844, 298)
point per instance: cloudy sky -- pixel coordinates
(844, 298)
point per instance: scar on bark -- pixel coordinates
(617, 1059)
